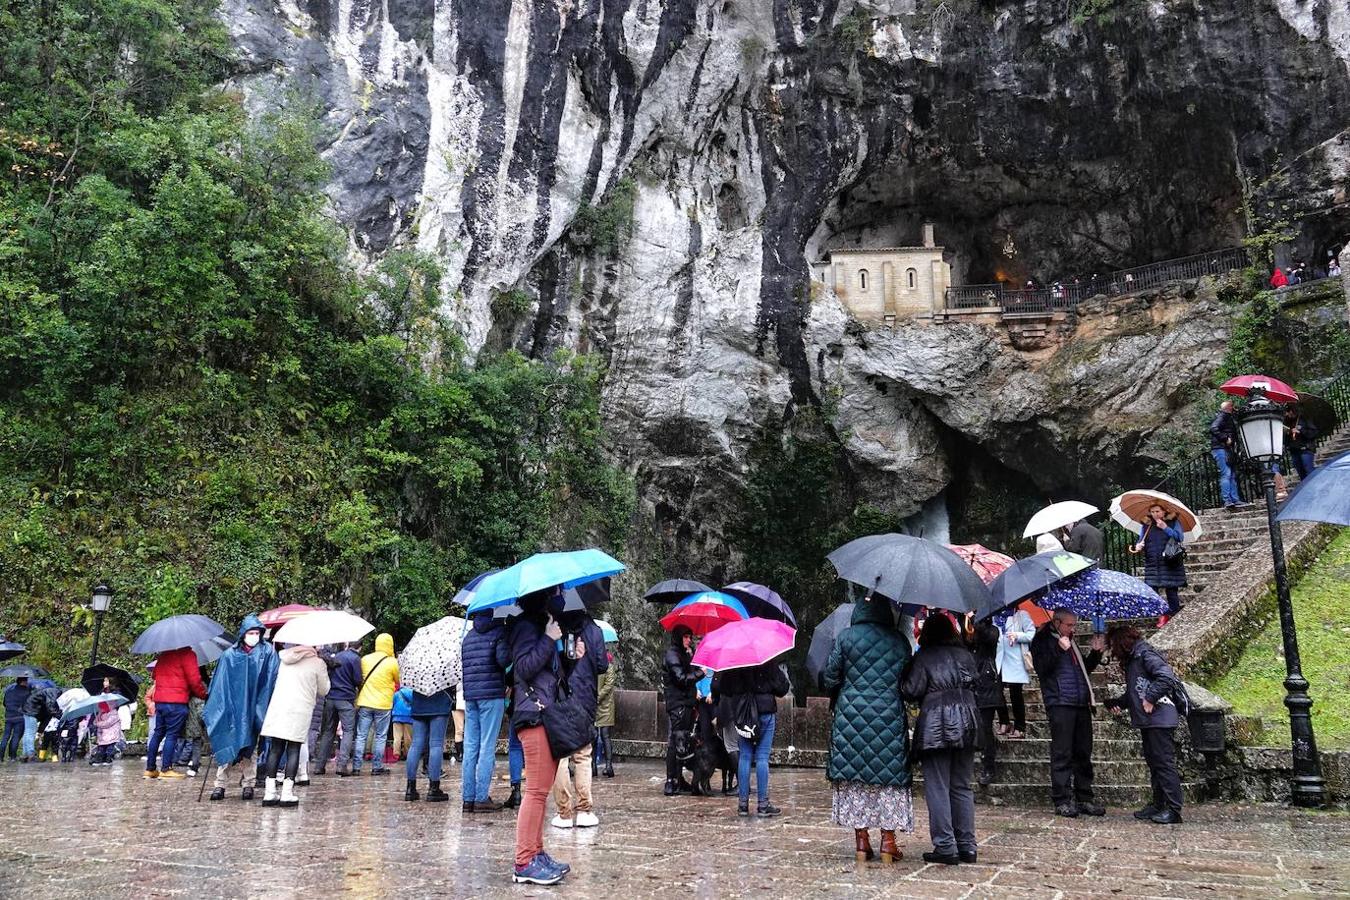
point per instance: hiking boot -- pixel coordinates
(218, 794)
(767, 810)
(1166, 817)
(171, 773)
(150, 773)
(435, 794)
(1091, 809)
(1067, 810)
(513, 801)
(410, 792)
(246, 794)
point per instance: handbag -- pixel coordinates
(567, 723)
(1173, 551)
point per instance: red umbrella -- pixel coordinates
(283, 614)
(988, 564)
(1276, 390)
(705, 612)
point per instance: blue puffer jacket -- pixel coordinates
(486, 655)
(1063, 683)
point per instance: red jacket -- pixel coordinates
(177, 678)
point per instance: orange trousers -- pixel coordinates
(540, 769)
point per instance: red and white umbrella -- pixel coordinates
(1274, 389)
(282, 614)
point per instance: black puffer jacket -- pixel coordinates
(583, 675)
(942, 679)
(534, 673)
(42, 705)
(678, 674)
(988, 685)
(767, 682)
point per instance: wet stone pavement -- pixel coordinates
(74, 831)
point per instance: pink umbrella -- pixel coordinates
(739, 645)
(283, 614)
(1275, 390)
(988, 564)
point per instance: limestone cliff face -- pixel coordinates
(749, 135)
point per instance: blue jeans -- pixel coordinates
(1304, 462)
(515, 757)
(9, 741)
(364, 717)
(29, 736)
(169, 721)
(482, 721)
(1228, 488)
(760, 751)
(428, 739)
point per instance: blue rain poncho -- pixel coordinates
(240, 691)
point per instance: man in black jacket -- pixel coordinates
(679, 676)
(582, 667)
(1067, 691)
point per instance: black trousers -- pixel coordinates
(1070, 753)
(1160, 752)
(274, 751)
(1019, 708)
(988, 740)
(680, 720)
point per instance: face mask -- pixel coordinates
(251, 639)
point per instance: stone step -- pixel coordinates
(1105, 771)
(1102, 729)
(1038, 749)
(1113, 796)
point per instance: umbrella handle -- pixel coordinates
(211, 761)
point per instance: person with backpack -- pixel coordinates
(869, 740)
(749, 700)
(1152, 692)
(379, 673)
(988, 695)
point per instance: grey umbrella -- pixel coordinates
(674, 590)
(1324, 496)
(823, 638)
(9, 650)
(912, 570)
(197, 632)
(23, 670)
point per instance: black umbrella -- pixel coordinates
(197, 632)
(823, 638)
(23, 670)
(674, 590)
(1324, 496)
(1030, 576)
(9, 650)
(912, 570)
(761, 602)
(1317, 411)
(123, 682)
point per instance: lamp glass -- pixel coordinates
(101, 599)
(1262, 431)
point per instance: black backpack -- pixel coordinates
(745, 716)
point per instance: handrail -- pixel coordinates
(1061, 296)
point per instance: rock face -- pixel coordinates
(656, 175)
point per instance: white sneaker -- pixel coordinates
(560, 822)
(587, 820)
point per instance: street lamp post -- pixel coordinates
(1261, 427)
(100, 602)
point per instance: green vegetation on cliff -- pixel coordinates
(201, 401)
(1255, 684)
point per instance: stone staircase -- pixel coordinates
(1121, 778)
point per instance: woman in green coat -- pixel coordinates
(869, 753)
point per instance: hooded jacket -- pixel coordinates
(380, 671)
(345, 676)
(941, 679)
(177, 677)
(41, 704)
(869, 739)
(1149, 677)
(534, 670)
(240, 692)
(678, 673)
(403, 705)
(486, 655)
(16, 696)
(301, 681)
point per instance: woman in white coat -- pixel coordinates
(1012, 669)
(302, 680)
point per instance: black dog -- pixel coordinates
(710, 754)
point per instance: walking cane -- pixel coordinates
(210, 761)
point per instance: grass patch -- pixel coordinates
(1255, 684)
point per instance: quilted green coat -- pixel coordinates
(868, 742)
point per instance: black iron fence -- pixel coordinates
(1066, 296)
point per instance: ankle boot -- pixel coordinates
(726, 783)
(864, 841)
(889, 851)
(288, 798)
(459, 751)
(410, 792)
(269, 792)
(671, 788)
(435, 794)
(513, 801)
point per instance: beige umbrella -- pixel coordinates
(1130, 509)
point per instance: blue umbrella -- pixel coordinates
(566, 569)
(608, 631)
(197, 632)
(1324, 496)
(1102, 594)
(467, 593)
(99, 703)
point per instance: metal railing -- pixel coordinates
(1062, 296)
(1195, 481)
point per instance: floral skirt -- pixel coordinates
(858, 805)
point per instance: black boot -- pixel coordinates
(411, 792)
(435, 794)
(218, 794)
(672, 787)
(726, 782)
(513, 801)
(459, 751)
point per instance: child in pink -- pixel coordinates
(108, 734)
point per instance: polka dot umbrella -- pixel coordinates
(433, 660)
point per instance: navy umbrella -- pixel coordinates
(761, 602)
(23, 670)
(466, 593)
(908, 569)
(823, 638)
(1030, 576)
(1101, 594)
(123, 682)
(674, 590)
(9, 650)
(1324, 496)
(197, 632)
